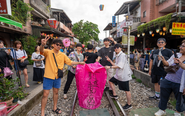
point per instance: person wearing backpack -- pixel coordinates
(38, 66)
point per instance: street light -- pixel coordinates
(143, 34)
(138, 35)
(150, 32)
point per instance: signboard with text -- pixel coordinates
(5, 7)
(125, 40)
(113, 21)
(178, 28)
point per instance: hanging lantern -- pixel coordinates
(157, 30)
(150, 32)
(161, 33)
(164, 28)
(170, 30)
(138, 35)
(101, 7)
(143, 34)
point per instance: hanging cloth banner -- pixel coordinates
(90, 82)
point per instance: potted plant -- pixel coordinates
(19, 94)
(9, 90)
(6, 90)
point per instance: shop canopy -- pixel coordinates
(11, 22)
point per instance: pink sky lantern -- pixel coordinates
(66, 42)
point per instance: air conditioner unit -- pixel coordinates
(42, 22)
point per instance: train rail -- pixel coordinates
(110, 101)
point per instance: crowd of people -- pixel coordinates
(165, 67)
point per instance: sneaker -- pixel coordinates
(114, 96)
(110, 92)
(127, 107)
(39, 82)
(155, 97)
(65, 96)
(177, 114)
(160, 113)
(106, 89)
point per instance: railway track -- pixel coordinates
(110, 101)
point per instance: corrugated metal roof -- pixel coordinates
(124, 8)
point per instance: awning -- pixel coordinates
(37, 30)
(108, 27)
(11, 22)
(124, 8)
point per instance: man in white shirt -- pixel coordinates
(122, 76)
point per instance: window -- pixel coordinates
(144, 14)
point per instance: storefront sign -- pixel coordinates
(125, 38)
(178, 28)
(113, 21)
(5, 7)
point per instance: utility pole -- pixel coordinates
(180, 6)
(128, 44)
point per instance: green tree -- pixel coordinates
(86, 31)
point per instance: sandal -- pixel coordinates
(57, 111)
(27, 86)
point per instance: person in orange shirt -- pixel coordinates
(51, 79)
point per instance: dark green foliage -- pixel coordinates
(29, 43)
(20, 11)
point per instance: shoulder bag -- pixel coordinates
(38, 63)
(60, 72)
(26, 62)
(6, 70)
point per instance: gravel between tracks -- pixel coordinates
(140, 94)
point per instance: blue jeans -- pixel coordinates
(166, 88)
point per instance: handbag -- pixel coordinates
(60, 72)
(38, 63)
(172, 69)
(7, 71)
(23, 64)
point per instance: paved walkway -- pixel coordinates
(33, 84)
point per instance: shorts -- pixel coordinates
(49, 83)
(123, 85)
(156, 78)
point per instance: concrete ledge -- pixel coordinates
(145, 78)
(30, 101)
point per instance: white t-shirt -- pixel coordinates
(35, 56)
(19, 53)
(123, 73)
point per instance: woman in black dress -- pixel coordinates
(38, 66)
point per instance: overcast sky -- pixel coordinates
(88, 10)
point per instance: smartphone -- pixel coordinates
(175, 54)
